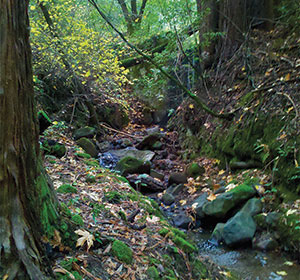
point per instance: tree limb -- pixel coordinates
(198, 101)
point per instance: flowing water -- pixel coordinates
(247, 263)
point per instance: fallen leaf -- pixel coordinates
(290, 212)
(86, 237)
(288, 77)
(211, 197)
(281, 273)
(182, 202)
(289, 263)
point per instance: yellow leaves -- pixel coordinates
(211, 197)
(221, 172)
(32, 8)
(182, 202)
(289, 109)
(191, 106)
(281, 273)
(86, 237)
(287, 77)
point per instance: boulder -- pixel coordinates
(88, 146)
(132, 165)
(87, 132)
(220, 207)
(177, 178)
(156, 174)
(239, 229)
(253, 206)
(217, 234)
(194, 170)
(198, 205)
(183, 221)
(175, 189)
(132, 152)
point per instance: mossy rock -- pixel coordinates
(51, 147)
(153, 273)
(83, 155)
(66, 188)
(131, 165)
(88, 146)
(194, 170)
(122, 252)
(77, 219)
(186, 246)
(87, 132)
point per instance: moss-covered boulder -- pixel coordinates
(66, 188)
(194, 170)
(88, 146)
(177, 178)
(150, 142)
(219, 207)
(87, 132)
(122, 252)
(131, 165)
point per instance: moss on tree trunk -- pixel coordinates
(27, 204)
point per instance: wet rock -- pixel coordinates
(147, 116)
(149, 141)
(88, 146)
(132, 152)
(219, 207)
(272, 219)
(194, 170)
(220, 190)
(198, 205)
(183, 221)
(107, 160)
(265, 242)
(168, 198)
(145, 183)
(132, 165)
(87, 132)
(153, 130)
(126, 142)
(156, 174)
(239, 229)
(177, 178)
(217, 234)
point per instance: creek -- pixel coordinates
(246, 263)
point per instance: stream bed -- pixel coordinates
(248, 264)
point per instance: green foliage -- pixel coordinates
(77, 219)
(153, 273)
(113, 197)
(290, 14)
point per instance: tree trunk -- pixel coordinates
(27, 204)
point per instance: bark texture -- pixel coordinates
(27, 206)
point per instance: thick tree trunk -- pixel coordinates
(27, 205)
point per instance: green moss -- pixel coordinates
(186, 246)
(164, 231)
(130, 165)
(199, 270)
(92, 162)
(66, 188)
(152, 273)
(121, 251)
(65, 209)
(122, 215)
(77, 219)
(83, 155)
(90, 179)
(113, 197)
(179, 232)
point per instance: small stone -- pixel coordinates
(194, 170)
(88, 146)
(168, 199)
(177, 178)
(182, 221)
(217, 234)
(264, 242)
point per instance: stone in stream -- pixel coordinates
(220, 207)
(239, 229)
(183, 221)
(198, 203)
(132, 152)
(132, 165)
(177, 178)
(87, 131)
